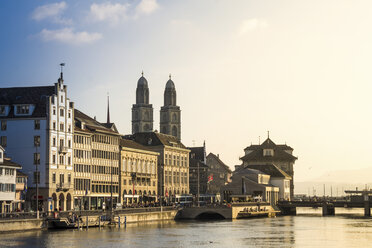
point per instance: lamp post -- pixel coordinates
(37, 143)
(198, 185)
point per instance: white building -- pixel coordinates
(37, 129)
(7, 182)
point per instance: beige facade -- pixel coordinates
(173, 162)
(96, 163)
(139, 173)
(176, 171)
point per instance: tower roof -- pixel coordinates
(170, 84)
(142, 82)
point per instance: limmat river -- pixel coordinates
(308, 229)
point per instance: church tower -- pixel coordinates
(170, 113)
(142, 111)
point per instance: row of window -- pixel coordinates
(139, 182)
(175, 160)
(105, 139)
(177, 177)
(61, 112)
(139, 166)
(82, 154)
(61, 142)
(62, 127)
(104, 188)
(61, 178)
(4, 125)
(7, 187)
(82, 168)
(105, 154)
(82, 184)
(61, 159)
(79, 139)
(99, 169)
(7, 171)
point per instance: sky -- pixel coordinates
(299, 69)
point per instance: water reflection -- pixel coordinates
(289, 231)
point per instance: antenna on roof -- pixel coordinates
(62, 65)
(268, 134)
(108, 108)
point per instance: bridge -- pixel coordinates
(328, 205)
(233, 211)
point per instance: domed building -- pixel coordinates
(142, 111)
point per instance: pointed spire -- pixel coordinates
(268, 134)
(142, 73)
(108, 108)
(170, 76)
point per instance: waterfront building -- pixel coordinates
(96, 163)
(218, 172)
(270, 153)
(139, 173)
(21, 189)
(173, 162)
(250, 184)
(7, 183)
(170, 113)
(142, 111)
(198, 171)
(278, 178)
(37, 131)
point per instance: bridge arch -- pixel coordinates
(210, 215)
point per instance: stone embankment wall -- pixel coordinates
(20, 225)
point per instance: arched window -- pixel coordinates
(174, 117)
(174, 131)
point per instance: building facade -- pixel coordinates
(37, 131)
(139, 173)
(170, 113)
(142, 111)
(270, 153)
(219, 172)
(250, 184)
(198, 171)
(278, 178)
(96, 163)
(173, 162)
(21, 189)
(8, 171)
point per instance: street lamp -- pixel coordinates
(37, 161)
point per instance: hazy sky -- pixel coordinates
(300, 69)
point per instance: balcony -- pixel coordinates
(63, 149)
(63, 187)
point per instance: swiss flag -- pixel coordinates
(210, 178)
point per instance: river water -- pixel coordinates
(307, 229)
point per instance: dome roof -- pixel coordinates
(142, 82)
(170, 85)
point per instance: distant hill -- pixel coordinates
(337, 180)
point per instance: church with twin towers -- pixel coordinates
(142, 111)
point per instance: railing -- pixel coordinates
(63, 149)
(21, 215)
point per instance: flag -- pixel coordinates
(210, 178)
